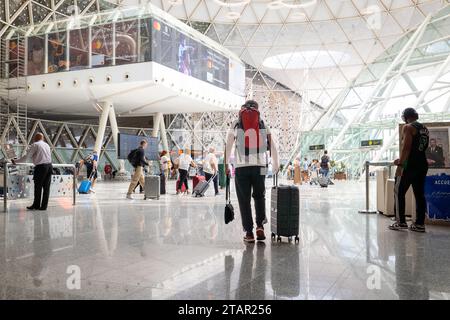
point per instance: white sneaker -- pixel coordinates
(129, 197)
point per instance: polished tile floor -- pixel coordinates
(180, 248)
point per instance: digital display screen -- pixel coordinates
(129, 142)
(175, 50)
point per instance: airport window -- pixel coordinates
(36, 55)
(57, 52)
(79, 49)
(145, 40)
(126, 42)
(102, 45)
(13, 54)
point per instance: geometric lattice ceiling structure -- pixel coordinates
(313, 47)
(18, 13)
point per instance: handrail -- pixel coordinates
(367, 166)
(57, 165)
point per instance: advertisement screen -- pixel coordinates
(129, 142)
(175, 50)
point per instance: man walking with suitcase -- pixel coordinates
(251, 140)
(138, 161)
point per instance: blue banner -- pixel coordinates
(437, 194)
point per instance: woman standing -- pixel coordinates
(297, 171)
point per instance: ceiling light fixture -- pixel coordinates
(233, 15)
(275, 5)
(297, 15)
(175, 2)
(232, 4)
(298, 5)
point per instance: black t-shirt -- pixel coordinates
(324, 162)
(417, 160)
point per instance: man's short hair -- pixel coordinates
(325, 152)
(433, 139)
(143, 142)
(251, 104)
(38, 136)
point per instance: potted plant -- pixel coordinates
(340, 171)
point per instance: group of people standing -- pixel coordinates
(309, 171)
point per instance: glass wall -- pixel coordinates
(145, 40)
(36, 55)
(79, 49)
(57, 52)
(132, 41)
(102, 45)
(127, 42)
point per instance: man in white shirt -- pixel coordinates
(210, 167)
(184, 161)
(41, 156)
(251, 168)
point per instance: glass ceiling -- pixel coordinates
(359, 29)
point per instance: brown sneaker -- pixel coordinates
(249, 237)
(260, 236)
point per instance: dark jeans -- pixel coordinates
(42, 177)
(402, 184)
(324, 172)
(184, 174)
(208, 176)
(250, 179)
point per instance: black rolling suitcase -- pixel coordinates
(162, 182)
(152, 187)
(285, 211)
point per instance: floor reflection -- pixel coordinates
(180, 248)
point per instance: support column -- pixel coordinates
(162, 127)
(114, 127)
(157, 118)
(106, 105)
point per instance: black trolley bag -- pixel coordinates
(285, 211)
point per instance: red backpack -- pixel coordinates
(250, 119)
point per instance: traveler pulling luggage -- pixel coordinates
(85, 185)
(152, 187)
(285, 211)
(196, 179)
(201, 187)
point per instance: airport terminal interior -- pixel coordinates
(133, 100)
